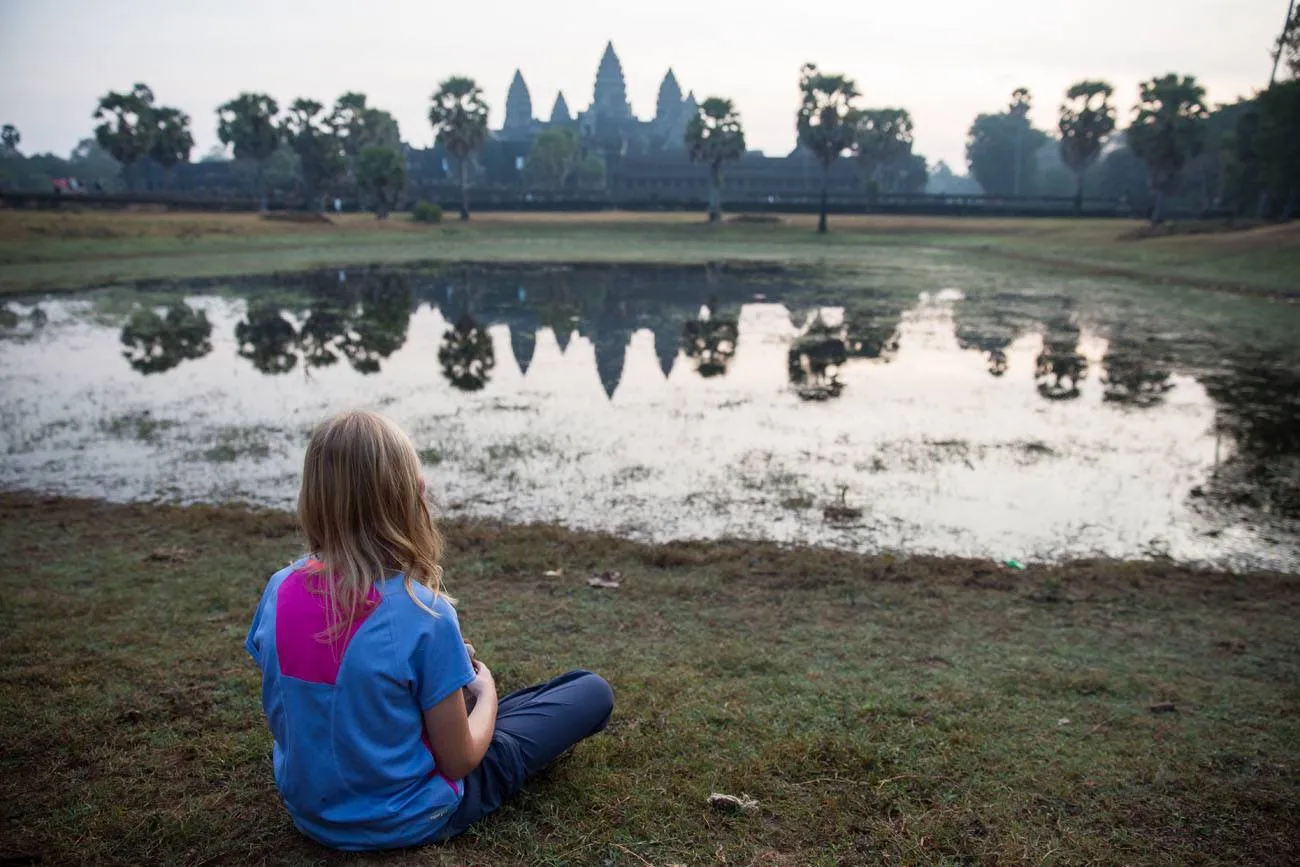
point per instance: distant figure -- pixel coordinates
(387, 730)
(338, 205)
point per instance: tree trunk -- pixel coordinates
(1158, 209)
(826, 179)
(1261, 206)
(715, 195)
(1078, 195)
(1288, 210)
(261, 186)
(464, 189)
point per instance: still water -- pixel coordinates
(668, 404)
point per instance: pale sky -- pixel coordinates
(944, 60)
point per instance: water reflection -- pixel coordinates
(709, 342)
(815, 360)
(467, 356)
(267, 339)
(932, 415)
(363, 319)
(1060, 367)
(1135, 374)
(155, 344)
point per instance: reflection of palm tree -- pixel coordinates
(1060, 368)
(467, 356)
(267, 339)
(815, 359)
(157, 343)
(711, 343)
(379, 328)
(871, 337)
(1131, 379)
(993, 345)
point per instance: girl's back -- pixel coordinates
(351, 759)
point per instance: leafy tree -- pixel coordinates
(381, 176)
(1001, 148)
(1087, 118)
(1168, 131)
(552, 158)
(827, 121)
(591, 174)
(170, 138)
(944, 181)
(309, 133)
(126, 128)
(10, 138)
(249, 123)
(1243, 181)
(1278, 143)
(360, 126)
(908, 175)
(715, 136)
(883, 143)
(459, 116)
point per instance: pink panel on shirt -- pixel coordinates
(301, 626)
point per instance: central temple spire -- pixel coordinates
(519, 104)
(610, 97)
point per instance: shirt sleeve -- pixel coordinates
(253, 643)
(439, 660)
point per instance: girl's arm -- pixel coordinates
(460, 739)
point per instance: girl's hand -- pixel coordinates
(483, 683)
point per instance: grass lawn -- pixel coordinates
(69, 250)
(920, 711)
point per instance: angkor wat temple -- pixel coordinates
(644, 159)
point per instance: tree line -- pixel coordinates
(1246, 154)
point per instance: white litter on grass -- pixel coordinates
(732, 804)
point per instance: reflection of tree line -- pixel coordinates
(363, 319)
(1258, 400)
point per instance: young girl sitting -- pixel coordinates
(364, 671)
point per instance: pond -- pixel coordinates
(1020, 418)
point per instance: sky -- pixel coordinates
(944, 60)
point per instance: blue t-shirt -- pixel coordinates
(352, 761)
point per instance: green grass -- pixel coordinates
(50, 251)
(920, 711)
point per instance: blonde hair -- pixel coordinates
(363, 508)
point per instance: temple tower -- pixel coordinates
(670, 100)
(610, 97)
(560, 114)
(519, 106)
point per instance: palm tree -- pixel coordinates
(249, 123)
(308, 130)
(715, 136)
(125, 131)
(459, 116)
(827, 121)
(1168, 131)
(1087, 117)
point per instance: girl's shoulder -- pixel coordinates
(417, 601)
